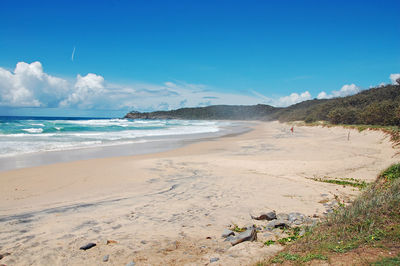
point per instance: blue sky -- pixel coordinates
(150, 55)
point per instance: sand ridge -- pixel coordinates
(160, 208)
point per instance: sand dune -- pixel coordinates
(160, 208)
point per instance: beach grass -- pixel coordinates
(342, 181)
(371, 222)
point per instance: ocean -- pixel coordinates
(32, 141)
(21, 135)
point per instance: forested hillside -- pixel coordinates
(376, 106)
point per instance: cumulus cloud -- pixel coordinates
(86, 90)
(394, 77)
(293, 99)
(346, 90)
(28, 85)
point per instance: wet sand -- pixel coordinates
(160, 208)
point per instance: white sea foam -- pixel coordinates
(33, 130)
(77, 134)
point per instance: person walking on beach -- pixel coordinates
(292, 129)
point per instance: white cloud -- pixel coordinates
(346, 90)
(322, 95)
(293, 99)
(394, 77)
(28, 85)
(284, 101)
(86, 90)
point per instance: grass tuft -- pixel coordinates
(342, 181)
(237, 229)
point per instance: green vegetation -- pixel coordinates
(392, 172)
(294, 234)
(371, 221)
(236, 228)
(269, 242)
(281, 257)
(222, 112)
(342, 181)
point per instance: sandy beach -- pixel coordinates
(171, 207)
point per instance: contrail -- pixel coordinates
(72, 56)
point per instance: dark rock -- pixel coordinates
(265, 216)
(105, 258)
(248, 235)
(214, 260)
(227, 233)
(143, 242)
(277, 224)
(88, 246)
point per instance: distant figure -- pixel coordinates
(292, 129)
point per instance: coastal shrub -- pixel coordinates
(392, 172)
(380, 113)
(342, 115)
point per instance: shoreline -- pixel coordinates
(142, 145)
(162, 207)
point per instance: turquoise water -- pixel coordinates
(21, 135)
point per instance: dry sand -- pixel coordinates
(160, 208)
